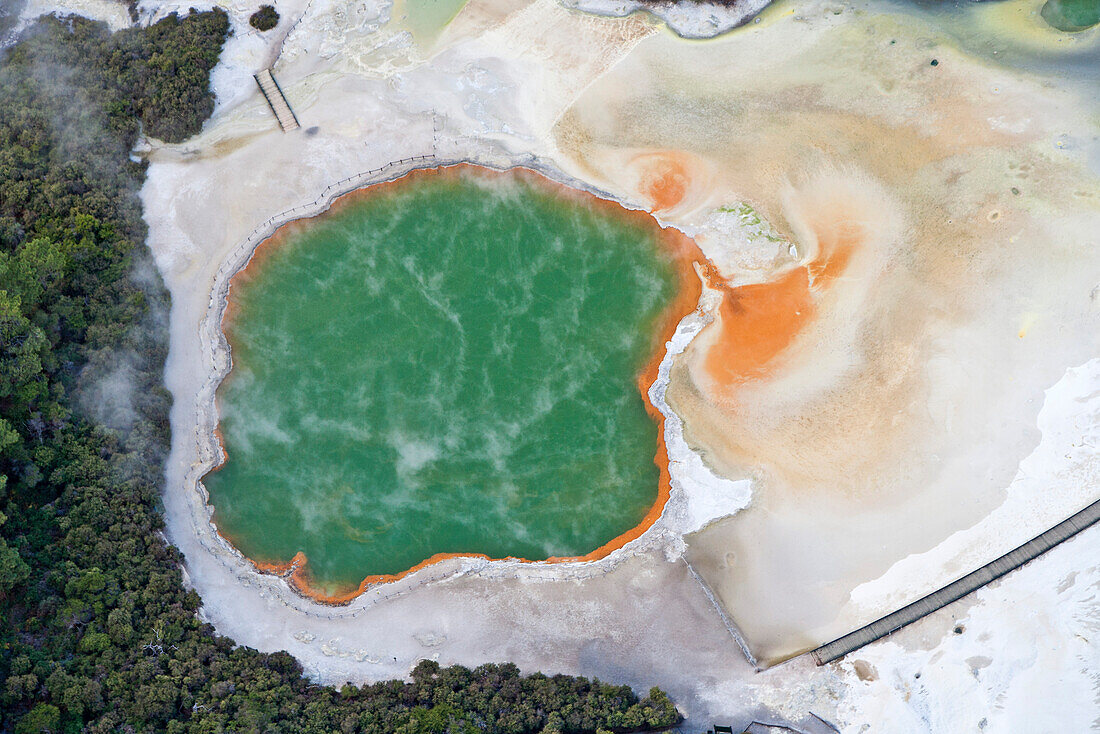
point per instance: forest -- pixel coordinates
(97, 631)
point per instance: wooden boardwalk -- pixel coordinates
(957, 589)
(276, 100)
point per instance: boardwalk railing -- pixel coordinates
(957, 589)
(264, 229)
(276, 100)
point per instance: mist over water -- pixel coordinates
(441, 367)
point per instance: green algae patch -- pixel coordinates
(1071, 15)
(444, 365)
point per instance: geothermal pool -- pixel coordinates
(447, 364)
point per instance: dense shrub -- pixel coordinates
(264, 19)
(97, 632)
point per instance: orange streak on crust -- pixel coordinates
(836, 243)
(685, 253)
(757, 322)
(664, 179)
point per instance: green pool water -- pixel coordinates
(447, 365)
(1071, 15)
(427, 18)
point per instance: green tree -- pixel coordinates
(264, 19)
(42, 719)
(13, 570)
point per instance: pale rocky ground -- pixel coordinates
(688, 20)
(589, 101)
(902, 412)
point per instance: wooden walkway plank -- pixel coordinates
(957, 589)
(276, 100)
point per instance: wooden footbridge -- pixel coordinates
(276, 100)
(957, 589)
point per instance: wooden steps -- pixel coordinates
(276, 101)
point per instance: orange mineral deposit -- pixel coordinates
(756, 322)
